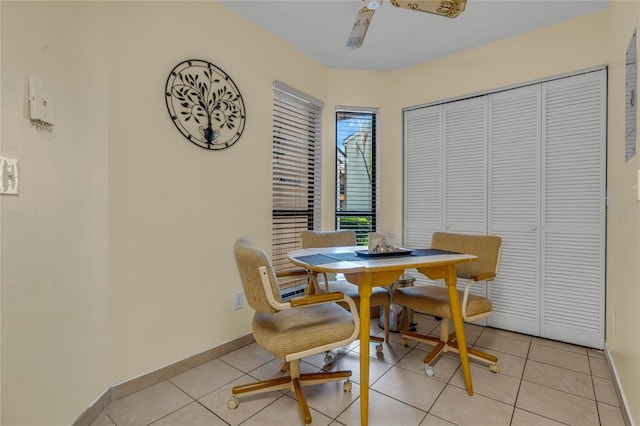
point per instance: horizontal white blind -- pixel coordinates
(297, 123)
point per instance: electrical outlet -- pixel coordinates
(8, 176)
(238, 300)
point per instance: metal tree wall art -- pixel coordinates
(205, 104)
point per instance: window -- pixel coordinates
(356, 171)
(297, 124)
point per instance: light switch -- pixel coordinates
(8, 176)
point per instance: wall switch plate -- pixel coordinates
(238, 300)
(40, 102)
(8, 176)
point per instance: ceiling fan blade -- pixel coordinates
(360, 27)
(448, 8)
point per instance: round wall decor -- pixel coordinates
(205, 104)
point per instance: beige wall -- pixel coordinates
(175, 210)
(116, 256)
(54, 238)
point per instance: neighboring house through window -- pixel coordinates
(356, 171)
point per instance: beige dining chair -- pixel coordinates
(434, 300)
(291, 330)
(327, 283)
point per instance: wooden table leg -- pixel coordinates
(364, 290)
(458, 324)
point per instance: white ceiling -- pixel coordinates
(398, 38)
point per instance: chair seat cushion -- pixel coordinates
(434, 300)
(379, 296)
(298, 329)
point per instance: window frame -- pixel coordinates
(362, 234)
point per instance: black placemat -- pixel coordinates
(320, 259)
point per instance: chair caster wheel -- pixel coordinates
(379, 348)
(328, 360)
(494, 367)
(428, 370)
(347, 386)
(233, 402)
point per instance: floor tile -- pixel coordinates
(351, 361)
(415, 389)
(605, 391)
(610, 415)
(383, 411)
(560, 358)
(330, 398)
(443, 367)
(248, 357)
(205, 378)
(285, 411)
(541, 383)
(432, 420)
(270, 370)
(557, 405)
(499, 386)
(510, 365)
(147, 405)
(249, 405)
(600, 368)
(560, 345)
(193, 414)
(391, 352)
(506, 333)
(457, 407)
(559, 378)
(525, 418)
(508, 344)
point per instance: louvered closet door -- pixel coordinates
(574, 135)
(465, 170)
(422, 176)
(514, 207)
(423, 179)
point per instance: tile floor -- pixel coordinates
(541, 382)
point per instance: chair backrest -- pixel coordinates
(343, 238)
(249, 260)
(486, 247)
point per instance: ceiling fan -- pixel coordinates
(448, 8)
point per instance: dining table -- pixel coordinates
(367, 270)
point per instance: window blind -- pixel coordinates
(356, 172)
(297, 136)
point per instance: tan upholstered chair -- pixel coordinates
(345, 238)
(291, 330)
(434, 300)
